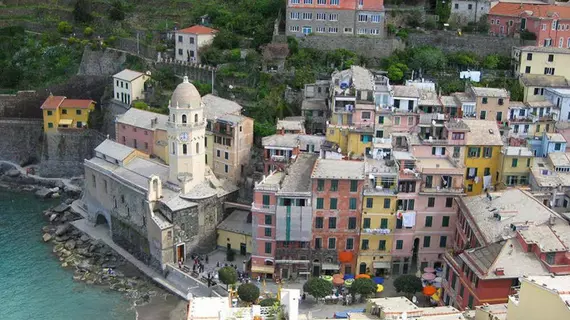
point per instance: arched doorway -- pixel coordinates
(362, 268)
(101, 220)
(316, 268)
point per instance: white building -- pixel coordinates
(190, 40)
(560, 97)
(129, 85)
(465, 11)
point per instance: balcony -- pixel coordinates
(429, 118)
(262, 208)
(376, 231)
(439, 190)
(380, 191)
(278, 158)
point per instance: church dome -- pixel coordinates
(185, 96)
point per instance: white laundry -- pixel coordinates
(471, 172)
(409, 219)
(476, 180)
(486, 182)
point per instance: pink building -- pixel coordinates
(144, 131)
(549, 22)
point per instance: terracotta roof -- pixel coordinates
(530, 10)
(77, 103)
(197, 29)
(52, 102)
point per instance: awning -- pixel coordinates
(330, 266)
(263, 269)
(65, 122)
(381, 265)
(292, 261)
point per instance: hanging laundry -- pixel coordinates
(409, 219)
(476, 180)
(486, 181)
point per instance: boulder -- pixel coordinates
(59, 184)
(44, 193)
(46, 237)
(45, 229)
(69, 201)
(54, 189)
(62, 229)
(85, 266)
(55, 195)
(70, 244)
(58, 248)
(68, 216)
(63, 238)
(61, 208)
(13, 173)
(53, 217)
(84, 238)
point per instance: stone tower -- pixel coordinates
(186, 132)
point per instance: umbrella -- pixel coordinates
(379, 288)
(327, 278)
(348, 276)
(428, 276)
(429, 290)
(378, 280)
(338, 275)
(348, 282)
(363, 276)
(337, 281)
(429, 270)
(438, 279)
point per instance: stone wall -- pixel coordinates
(367, 46)
(111, 110)
(194, 71)
(480, 44)
(9, 102)
(21, 141)
(101, 62)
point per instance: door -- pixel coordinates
(285, 273)
(316, 271)
(242, 249)
(229, 246)
(362, 268)
(180, 252)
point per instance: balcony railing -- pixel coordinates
(278, 158)
(376, 231)
(442, 190)
(263, 208)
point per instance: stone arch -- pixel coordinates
(183, 118)
(103, 218)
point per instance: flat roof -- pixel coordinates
(559, 159)
(483, 133)
(557, 284)
(114, 150)
(313, 104)
(542, 80)
(128, 75)
(291, 123)
(362, 78)
(406, 92)
(517, 151)
(448, 101)
(273, 180)
(207, 307)
(560, 91)
(513, 205)
(298, 174)
(287, 140)
(544, 174)
(403, 155)
(237, 222)
(555, 137)
(544, 49)
(143, 119)
(338, 169)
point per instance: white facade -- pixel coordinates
(190, 40)
(465, 11)
(128, 86)
(561, 99)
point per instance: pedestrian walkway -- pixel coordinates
(177, 284)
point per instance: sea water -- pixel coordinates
(33, 285)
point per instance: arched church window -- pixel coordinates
(183, 118)
(196, 117)
(173, 148)
(173, 118)
(197, 147)
(184, 149)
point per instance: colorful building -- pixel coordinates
(482, 157)
(337, 204)
(541, 297)
(234, 233)
(60, 113)
(280, 150)
(501, 237)
(188, 42)
(547, 21)
(534, 85)
(541, 60)
(378, 218)
(515, 166)
(129, 85)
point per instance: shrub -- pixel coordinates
(230, 255)
(408, 284)
(140, 105)
(64, 27)
(227, 275)
(527, 35)
(248, 292)
(269, 302)
(84, 42)
(72, 40)
(117, 11)
(111, 40)
(318, 288)
(88, 31)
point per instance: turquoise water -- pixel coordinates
(32, 283)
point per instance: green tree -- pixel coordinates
(248, 292)
(443, 10)
(491, 61)
(64, 27)
(88, 31)
(363, 286)
(227, 275)
(82, 11)
(396, 71)
(268, 302)
(263, 129)
(408, 284)
(463, 59)
(117, 11)
(427, 59)
(318, 288)
(226, 39)
(203, 88)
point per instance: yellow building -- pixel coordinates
(378, 219)
(515, 166)
(541, 298)
(491, 312)
(483, 146)
(542, 60)
(235, 232)
(534, 85)
(60, 112)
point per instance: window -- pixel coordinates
(382, 245)
(80, 124)
(427, 240)
(334, 185)
(499, 113)
(226, 168)
(383, 223)
(557, 146)
(268, 219)
(226, 155)
(550, 58)
(429, 221)
(320, 185)
(319, 222)
(308, 1)
(442, 241)
(320, 203)
(294, 28)
(349, 243)
(307, 16)
(320, 30)
(318, 243)
(399, 244)
(445, 221)
(321, 16)
(362, 17)
(469, 6)
(387, 203)
(514, 162)
(550, 257)
(461, 290)
(487, 152)
(487, 172)
(352, 222)
(456, 152)
(184, 147)
(268, 247)
(448, 202)
(431, 202)
(333, 17)
(321, 1)
(63, 111)
(352, 204)
(484, 100)
(457, 7)
(483, 114)
(180, 52)
(549, 71)
(268, 232)
(295, 1)
(332, 223)
(364, 245)
(398, 223)
(333, 204)
(366, 223)
(527, 70)
(554, 24)
(528, 162)
(397, 121)
(334, 2)
(375, 18)
(353, 185)
(332, 243)
(473, 152)
(369, 202)
(470, 300)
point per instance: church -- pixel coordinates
(160, 213)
